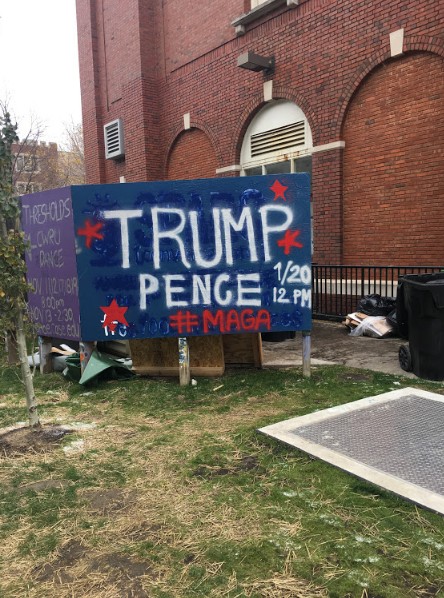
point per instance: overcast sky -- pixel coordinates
(39, 68)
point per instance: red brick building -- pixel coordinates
(34, 166)
(357, 97)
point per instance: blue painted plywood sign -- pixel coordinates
(189, 258)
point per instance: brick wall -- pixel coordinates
(393, 165)
(195, 28)
(192, 157)
(44, 157)
(179, 56)
(327, 207)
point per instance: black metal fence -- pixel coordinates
(336, 290)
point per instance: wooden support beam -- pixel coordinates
(45, 344)
(86, 349)
(306, 353)
(184, 361)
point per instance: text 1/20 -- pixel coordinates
(293, 273)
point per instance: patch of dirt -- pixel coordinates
(58, 570)
(356, 377)
(106, 502)
(143, 532)
(114, 570)
(24, 440)
(43, 485)
(117, 563)
(248, 463)
(123, 573)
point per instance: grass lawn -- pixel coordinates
(170, 492)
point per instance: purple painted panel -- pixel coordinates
(51, 261)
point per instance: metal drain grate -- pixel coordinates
(394, 440)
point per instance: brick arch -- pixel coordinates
(286, 93)
(191, 155)
(254, 106)
(180, 130)
(393, 174)
(411, 44)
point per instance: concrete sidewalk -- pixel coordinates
(332, 344)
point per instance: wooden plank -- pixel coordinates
(184, 362)
(195, 372)
(257, 350)
(118, 348)
(161, 356)
(86, 349)
(45, 345)
(306, 353)
(243, 349)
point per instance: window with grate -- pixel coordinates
(280, 139)
(277, 136)
(114, 143)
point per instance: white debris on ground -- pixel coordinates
(363, 325)
(15, 426)
(74, 447)
(76, 426)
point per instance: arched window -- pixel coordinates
(277, 141)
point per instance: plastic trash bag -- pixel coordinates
(375, 305)
(374, 326)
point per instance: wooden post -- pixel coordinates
(306, 352)
(11, 348)
(46, 366)
(184, 362)
(86, 348)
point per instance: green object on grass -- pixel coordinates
(73, 370)
(100, 367)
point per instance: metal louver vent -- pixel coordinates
(278, 139)
(114, 147)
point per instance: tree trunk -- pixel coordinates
(33, 416)
(7, 137)
(3, 229)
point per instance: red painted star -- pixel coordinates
(90, 232)
(289, 241)
(114, 313)
(278, 190)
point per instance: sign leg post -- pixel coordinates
(184, 362)
(86, 349)
(306, 347)
(45, 354)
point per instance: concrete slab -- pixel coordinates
(393, 440)
(332, 344)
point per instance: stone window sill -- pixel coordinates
(259, 11)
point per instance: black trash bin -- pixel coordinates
(422, 297)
